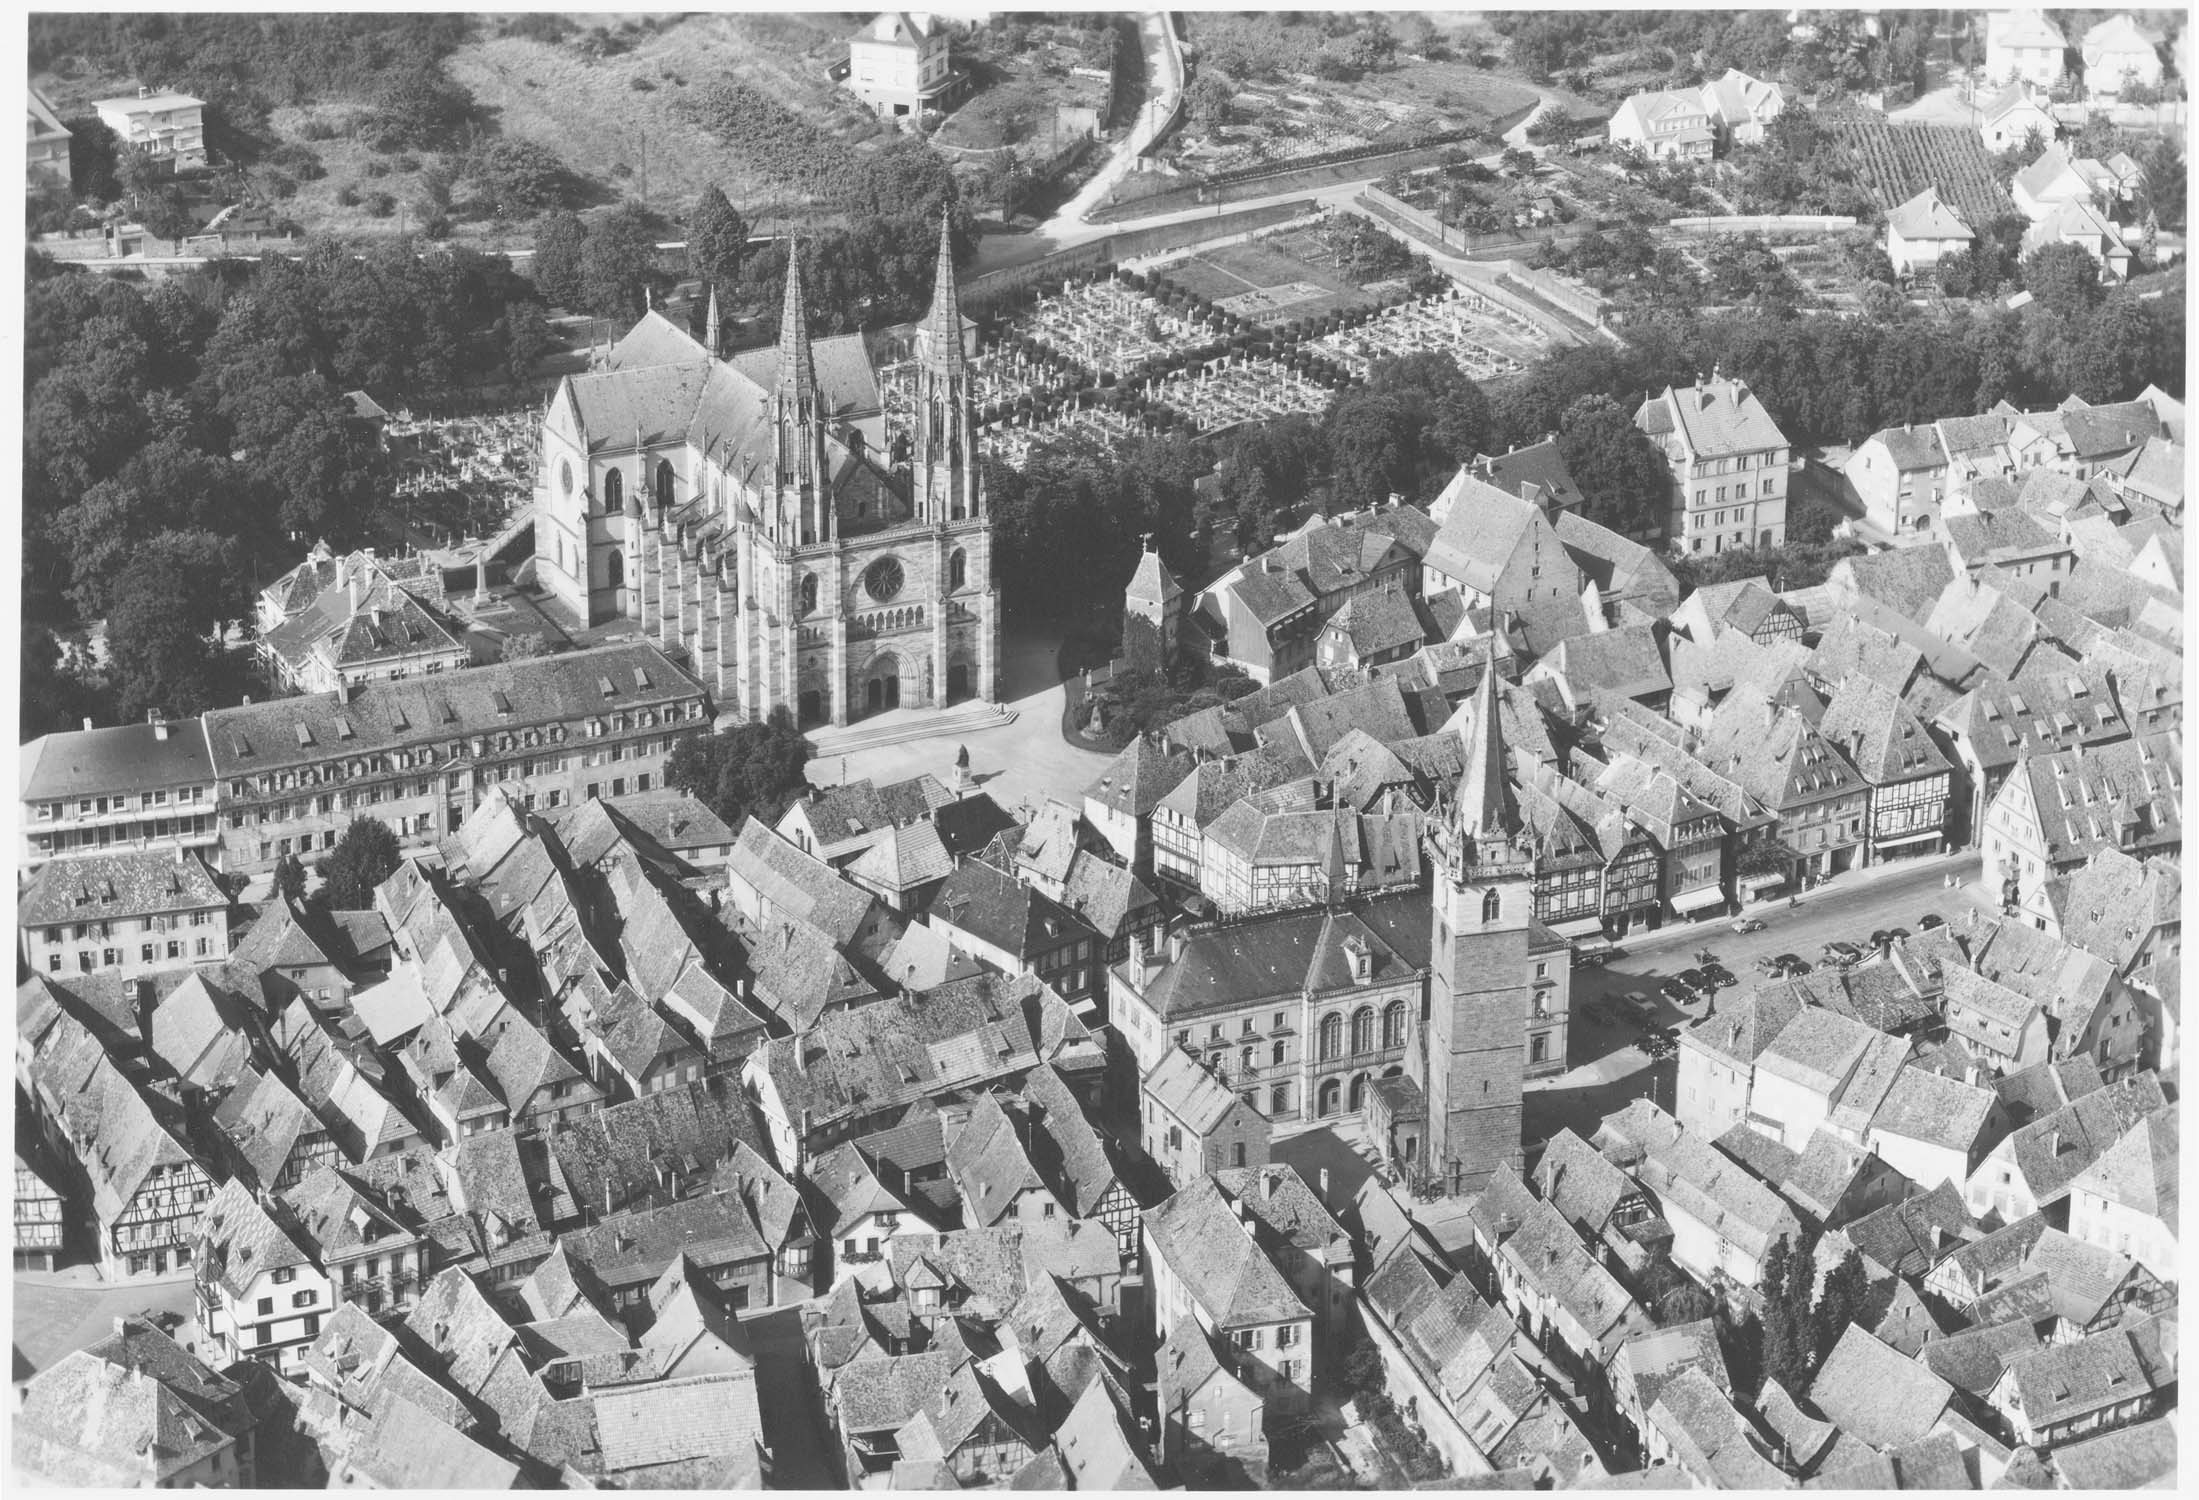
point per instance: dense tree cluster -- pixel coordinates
(184, 441)
(749, 770)
(363, 858)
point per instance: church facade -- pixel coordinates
(755, 513)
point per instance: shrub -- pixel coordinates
(280, 185)
(381, 205)
(641, 85)
(347, 196)
(376, 168)
(317, 128)
(407, 162)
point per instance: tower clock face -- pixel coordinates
(882, 581)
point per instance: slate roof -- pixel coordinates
(117, 887)
(75, 763)
(1868, 1390)
(382, 717)
(1276, 954)
(1910, 1237)
(1221, 1266)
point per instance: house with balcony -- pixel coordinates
(260, 1295)
(901, 65)
(169, 127)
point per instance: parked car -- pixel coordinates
(1639, 1006)
(1692, 978)
(1930, 920)
(1843, 953)
(1896, 934)
(1719, 976)
(1589, 960)
(1790, 964)
(1677, 990)
(1745, 925)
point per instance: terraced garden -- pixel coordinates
(1896, 160)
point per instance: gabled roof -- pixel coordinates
(1218, 1260)
(1180, 1084)
(1936, 1110)
(2139, 1171)
(1138, 777)
(1910, 1237)
(118, 887)
(1927, 216)
(1870, 1391)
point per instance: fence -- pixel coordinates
(1283, 177)
(1505, 243)
(1763, 224)
(1130, 244)
(1567, 296)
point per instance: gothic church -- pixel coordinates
(756, 513)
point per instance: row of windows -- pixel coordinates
(106, 835)
(111, 958)
(82, 931)
(89, 807)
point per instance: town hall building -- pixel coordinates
(740, 513)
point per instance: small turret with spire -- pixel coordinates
(710, 326)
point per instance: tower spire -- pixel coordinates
(1482, 810)
(797, 370)
(710, 324)
(943, 322)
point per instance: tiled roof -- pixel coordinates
(1870, 1391)
(1579, 1183)
(1217, 1259)
(1910, 1237)
(264, 1122)
(1180, 1084)
(1817, 1049)
(2139, 1457)
(2139, 1171)
(87, 1421)
(1139, 777)
(1939, 1111)
(1377, 622)
(2051, 1151)
(1721, 416)
(1867, 721)
(2125, 795)
(118, 887)
(1710, 1439)
(2063, 1382)
(239, 1240)
(1689, 1175)
(708, 1417)
(406, 1446)
(1927, 217)
(618, 1149)
(1973, 1359)
(1906, 580)
(879, 1395)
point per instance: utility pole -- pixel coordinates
(645, 169)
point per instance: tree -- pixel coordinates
(1208, 99)
(56, 690)
(290, 878)
(420, 109)
(749, 770)
(1451, 414)
(166, 216)
(518, 179)
(2166, 187)
(717, 242)
(526, 335)
(1373, 447)
(2065, 279)
(167, 602)
(524, 645)
(616, 263)
(94, 150)
(1847, 1288)
(1619, 471)
(1788, 1340)
(558, 241)
(363, 858)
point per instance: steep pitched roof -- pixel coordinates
(1870, 1391)
(1218, 1260)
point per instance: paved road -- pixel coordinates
(57, 1315)
(1022, 762)
(1164, 81)
(1608, 1070)
(804, 1455)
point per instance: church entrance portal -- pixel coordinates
(958, 682)
(882, 685)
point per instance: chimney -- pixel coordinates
(1176, 942)
(88, 722)
(1324, 1181)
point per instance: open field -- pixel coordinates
(1031, 99)
(1261, 51)
(601, 115)
(1263, 281)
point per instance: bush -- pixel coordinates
(381, 205)
(318, 128)
(279, 185)
(377, 168)
(641, 85)
(407, 162)
(434, 224)
(347, 196)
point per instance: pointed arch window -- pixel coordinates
(664, 483)
(1492, 907)
(958, 570)
(809, 594)
(614, 491)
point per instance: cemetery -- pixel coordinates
(1233, 390)
(1488, 341)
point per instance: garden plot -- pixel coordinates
(1245, 390)
(1107, 328)
(1487, 340)
(1266, 282)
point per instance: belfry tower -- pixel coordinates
(1480, 983)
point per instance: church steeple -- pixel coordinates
(943, 481)
(1483, 809)
(941, 333)
(710, 325)
(798, 420)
